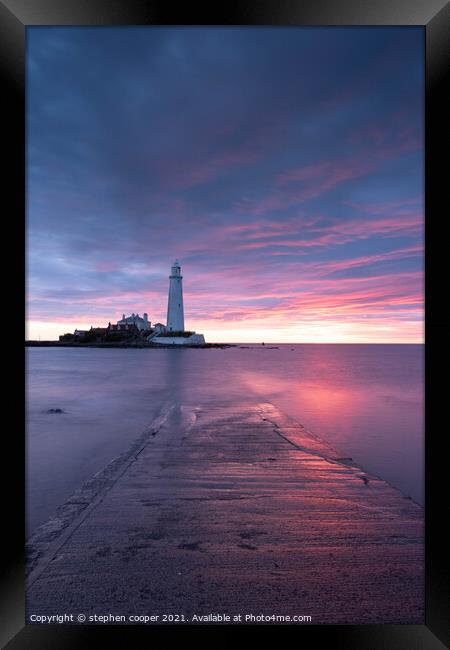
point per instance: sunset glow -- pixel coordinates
(282, 167)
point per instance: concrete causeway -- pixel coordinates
(232, 510)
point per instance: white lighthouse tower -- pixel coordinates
(175, 312)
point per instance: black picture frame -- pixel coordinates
(434, 16)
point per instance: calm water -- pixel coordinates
(367, 400)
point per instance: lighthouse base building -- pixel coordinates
(191, 339)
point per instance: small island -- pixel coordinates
(135, 331)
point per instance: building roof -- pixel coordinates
(133, 317)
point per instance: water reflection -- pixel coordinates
(171, 374)
(368, 406)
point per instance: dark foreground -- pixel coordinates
(232, 511)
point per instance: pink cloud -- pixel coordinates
(342, 232)
(297, 295)
(299, 184)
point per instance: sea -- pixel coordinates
(367, 401)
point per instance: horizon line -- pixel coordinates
(273, 342)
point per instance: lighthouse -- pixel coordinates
(175, 312)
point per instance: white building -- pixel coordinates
(190, 339)
(135, 319)
(175, 310)
(174, 333)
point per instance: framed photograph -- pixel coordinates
(234, 313)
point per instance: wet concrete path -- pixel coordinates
(236, 510)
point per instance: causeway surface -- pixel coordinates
(232, 510)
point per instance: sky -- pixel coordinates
(283, 167)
